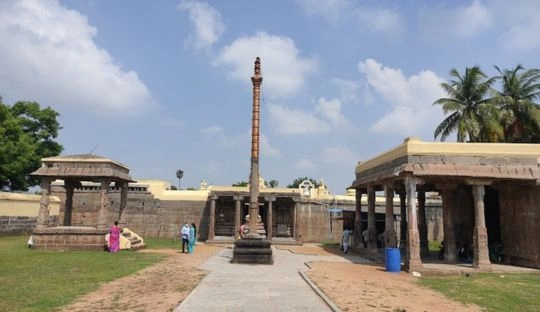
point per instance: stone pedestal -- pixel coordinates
(252, 249)
(69, 238)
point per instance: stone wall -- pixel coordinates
(520, 224)
(18, 212)
(21, 225)
(144, 214)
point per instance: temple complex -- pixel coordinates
(490, 196)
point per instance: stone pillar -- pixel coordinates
(104, 208)
(237, 215)
(403, 221)
(123, 203)
(296, 221)
(390, 239)
(270, 222)
(43, 215)
(412, 259)
(68, 211)
(372, 243)
(358, 219)
(480, 239)
(448, 202)
(212, 217)
(422, 223)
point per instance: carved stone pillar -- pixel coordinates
(296, 220)
(403, 221)
(123, 203)
(412, 259)
(212, 218)
(104, 208)
(237, 215)
(69, 185)
(372, 242)
(480, 239)
(43, 215)
(270, 199)
(422, 223)
(358, 219)
(390, 239)
(448, 202)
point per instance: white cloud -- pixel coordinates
(459, 21)
(304, 164)
(266, 148)
(473, 19)
(410, 98)
(328, 9)
(294, 121)
(284, 70)
(207, 24)
(339, 155)
(331, 111)
(53, 59)
(348, 90)
(381, 20)
(521, 24)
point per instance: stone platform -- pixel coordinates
(252, 250)
(69, 238)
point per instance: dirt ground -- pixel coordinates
(361, 287)
(160, 287)
(352, 287)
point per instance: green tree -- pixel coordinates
(472, 116)
(240, 183)
(297, 181)
(27, 134)
(519, 113)
(272, 183)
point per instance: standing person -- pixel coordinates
(365, 237)
(345, 239)
(192, 237)
(114, 238)
(185, 237)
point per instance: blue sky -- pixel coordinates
(165, 85)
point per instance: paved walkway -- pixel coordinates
(244, 287)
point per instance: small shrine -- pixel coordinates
(73, 170)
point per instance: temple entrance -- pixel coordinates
(225, 216)
(283, 219)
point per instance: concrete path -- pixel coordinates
(243, 287)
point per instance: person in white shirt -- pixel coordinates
(345, 239)
(185, 237)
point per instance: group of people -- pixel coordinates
(189, 235)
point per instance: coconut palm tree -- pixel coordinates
(472, 116)
(519, 112)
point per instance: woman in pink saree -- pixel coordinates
(114, 238)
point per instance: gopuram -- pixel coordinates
(253, 248)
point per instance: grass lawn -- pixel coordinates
(493, 291)
(36, 280)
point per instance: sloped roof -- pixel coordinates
(83, 167)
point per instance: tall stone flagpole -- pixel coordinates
(254, 248)
(256, 79)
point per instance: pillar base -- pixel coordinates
(252, 249)
(415, 265)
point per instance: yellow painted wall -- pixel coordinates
(25, 205)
